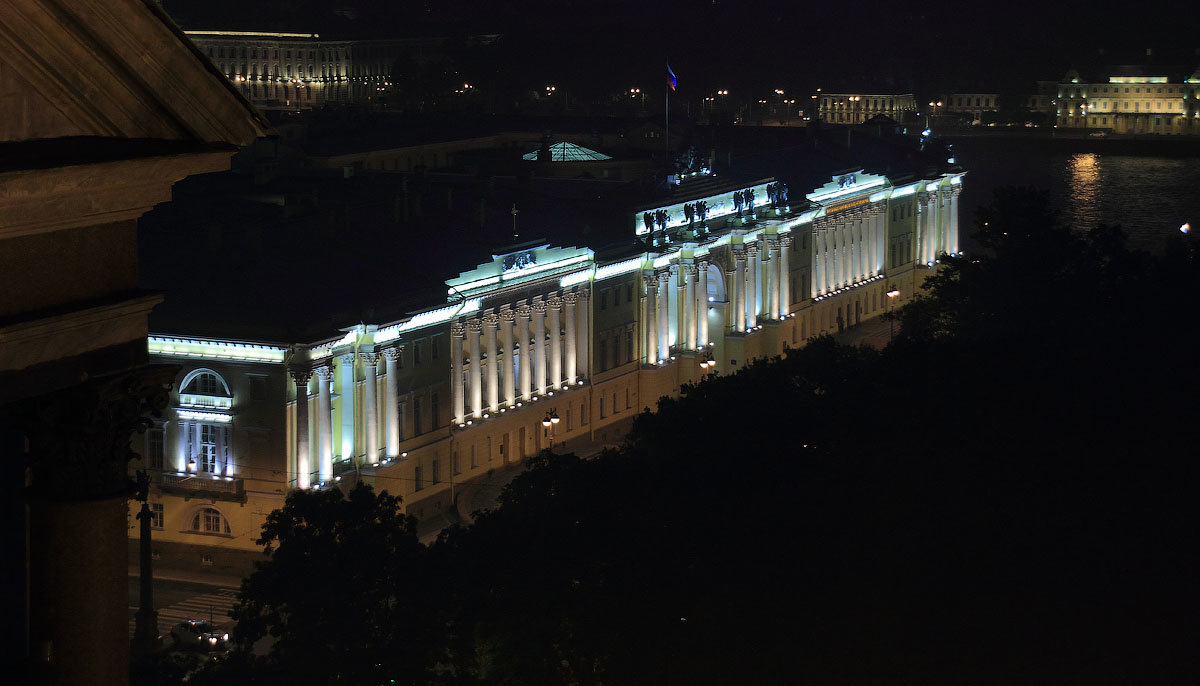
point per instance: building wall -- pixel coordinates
(1133, 105)
(894, 236)
(856, 108)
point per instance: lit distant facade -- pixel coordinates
(856, 108)
(423, 404)
(303, 70)
(974, 104)
(1133, 100)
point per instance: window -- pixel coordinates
(154, 448)
(602, 408)
(614, 405)
(433, 409)
(603, 356)
(210, 521)
(568, 418)
(604, 298)
(629, 292)
(454, 467)
(629, 345)
(437, 477)
(207, 458)
(416, 416)
(627, 404)
(489, 448)
(417, 354)
(433, 347)
(206, 559)
(583, 415)
(474, 457)
(156, 515)
(417, 484)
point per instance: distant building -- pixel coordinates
(856, 108)
(719, 272)
(974, 104)
(1136, 99)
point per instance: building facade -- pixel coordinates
(974, 104)
(428, 404)
(856, 108)
(1132, 100)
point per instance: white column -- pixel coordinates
(923, 208)
(554, 304)
(664, 311)
(952, 240)
(688, 271)
(702, 304)
(324, 424)
(739, 289)
(773, 278)
(303, 456)
(184, 429)
(818, 255)
(785, 275)
(525, 374)
(475, 370)
(507, 319)
(752, 286)
(843, 233)
(539, 347)
(371, 406)
(651, 330)
(872, 243)
(827, 249)
(490, 324)
(391, 411)
(571, 346)
(345, 381)
(583, 334)
(458, 333)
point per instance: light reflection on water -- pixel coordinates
(1149, 197)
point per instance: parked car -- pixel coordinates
(197, 634)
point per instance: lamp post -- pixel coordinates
(707, 364)
(548, 422)
(891, 294)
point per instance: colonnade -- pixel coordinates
(848, 247)
(937, 223)
(514, 353)
(691, 308)
(759, 281)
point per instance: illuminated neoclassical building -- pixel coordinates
(426, 403)
(856, 108)
(1130, 99)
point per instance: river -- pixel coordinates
(1149, 195)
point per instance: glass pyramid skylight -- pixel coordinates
(569, 152)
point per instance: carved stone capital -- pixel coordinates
(583, 294)
(539, 307)
(393, 353)
(739, 252)
(347, 359)
(301, 375)
(508, 316)
(570, 299)
(554, 302)
(786, 240)
(458, 330)
(370, 359)
(491, 321)
(475, 326)
(324, 371)
(956, 190)
(525, 312)
(752, 250)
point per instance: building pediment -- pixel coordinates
(111, 68)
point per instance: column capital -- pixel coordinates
(475, 326)
(539, 307)
(664, 276)
(752, 249)
(524, 312)
(923, 197)
(583, 294)
(300, 375)
(348, 358)
(370, 358)
(690, 270)
(491, 321)
(324, 371)
(508, 316)
(739, 252)
(458, 330)
(393, 352)
(554, 302)
(955, 190)
(570, 299)
(786, 240)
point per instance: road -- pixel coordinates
(180, 600)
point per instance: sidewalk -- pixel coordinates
(221, 580)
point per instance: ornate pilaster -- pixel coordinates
(555, 305)
(371, 405)
(324, 424)
(301, 376)
(391, 405)
(507, 319)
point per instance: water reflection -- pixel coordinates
(1083, 197)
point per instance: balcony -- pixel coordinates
(204, 485)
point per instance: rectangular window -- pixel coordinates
(417, 428)
(627, 399)
(417, 481)
(437, 476)
(454, 466)
(603, 298)
(156, 515)
(629, 292)
(474, 457)
(603, 357)
(489, 448)
(568, 418)
(602, 408)
(417, 354)
(208, 449)
(154, 449)
(433, 410)
(583, 415)
(433, 347)
(629, 345)
(614, 405)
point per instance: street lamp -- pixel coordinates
(549, 421)
(891, 294)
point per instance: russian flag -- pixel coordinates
(670, 77)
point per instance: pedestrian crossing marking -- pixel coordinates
(196, 607)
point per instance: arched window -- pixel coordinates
(209, 520)
(205, 382)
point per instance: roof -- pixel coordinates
(568, 152)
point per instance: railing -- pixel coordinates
(230, 487)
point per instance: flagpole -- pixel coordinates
(667, 136)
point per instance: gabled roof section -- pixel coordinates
(569, 152)
(112, 69)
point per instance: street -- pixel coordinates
(180, 600)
